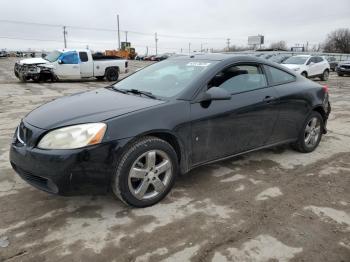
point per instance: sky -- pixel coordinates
(181, 25)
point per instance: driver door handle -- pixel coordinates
(268, 99)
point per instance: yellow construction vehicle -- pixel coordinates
(126, 51)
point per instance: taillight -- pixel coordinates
(325, 88)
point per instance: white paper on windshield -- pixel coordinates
(198, 64)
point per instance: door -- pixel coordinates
(312, 66)
(68, 66)
(86, 66)
(226, 127)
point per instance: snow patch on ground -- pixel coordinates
(262, 248)
(269, 193)
(326, 213)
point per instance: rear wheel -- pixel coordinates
(146, 172)
(112, 74)
(311, 133)
(325, 75)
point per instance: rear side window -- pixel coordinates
(278, 76)
(83, 57)
(239, 78)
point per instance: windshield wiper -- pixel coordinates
(140, 92)
(117, 89)
(133, 91)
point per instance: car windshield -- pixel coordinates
(53, 56)
(296, 60)
(167, 78)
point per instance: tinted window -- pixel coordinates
(318, 59)
(83, 56)
(279, 76)
(312, 60)
(239, 78)
(70, 58)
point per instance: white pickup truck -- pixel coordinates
(70, 64)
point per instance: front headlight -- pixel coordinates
(297, 69)
(73, 136)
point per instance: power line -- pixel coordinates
(110, 30)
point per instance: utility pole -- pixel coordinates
(228, 44)
(189, 48)
(146, 50)
(126, 36)
(64, 36)
(118, 32)
(156, 39)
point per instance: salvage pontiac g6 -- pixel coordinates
(135, 136)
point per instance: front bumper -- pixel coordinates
(343, 70)
(66, 172)
(26, 71)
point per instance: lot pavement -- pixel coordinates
(272, 205)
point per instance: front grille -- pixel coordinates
(37, 181)
(345, 66)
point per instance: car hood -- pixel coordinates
(33, 61)
(292, 66)
(344, 63)
(87, 107)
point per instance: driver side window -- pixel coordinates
(239, 78)
(70, 58)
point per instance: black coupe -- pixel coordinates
(135, 136)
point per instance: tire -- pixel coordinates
(340, 74)
(100, 78)
(325, 75)
(304, 74)
(156, 162)
(112, 74)
(307, 141)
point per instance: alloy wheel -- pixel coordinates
(312, 132)
(150, 175)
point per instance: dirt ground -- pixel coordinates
(272, 205)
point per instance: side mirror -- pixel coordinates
(215, 93)
(59, 61)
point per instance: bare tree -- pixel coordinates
(280, 45)
(338, 41)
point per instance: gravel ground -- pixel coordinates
(272, 205)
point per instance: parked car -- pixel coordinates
(168, 118)
(70, 64)
(161, 57)
(343, 68)
(333, 63)
(279, 58)
(3, 53)
(140, 57)
(309, 66)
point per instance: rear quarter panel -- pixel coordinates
(296, 101)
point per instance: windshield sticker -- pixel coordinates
(197, 64)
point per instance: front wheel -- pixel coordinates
(311, 133)
(146, 172)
